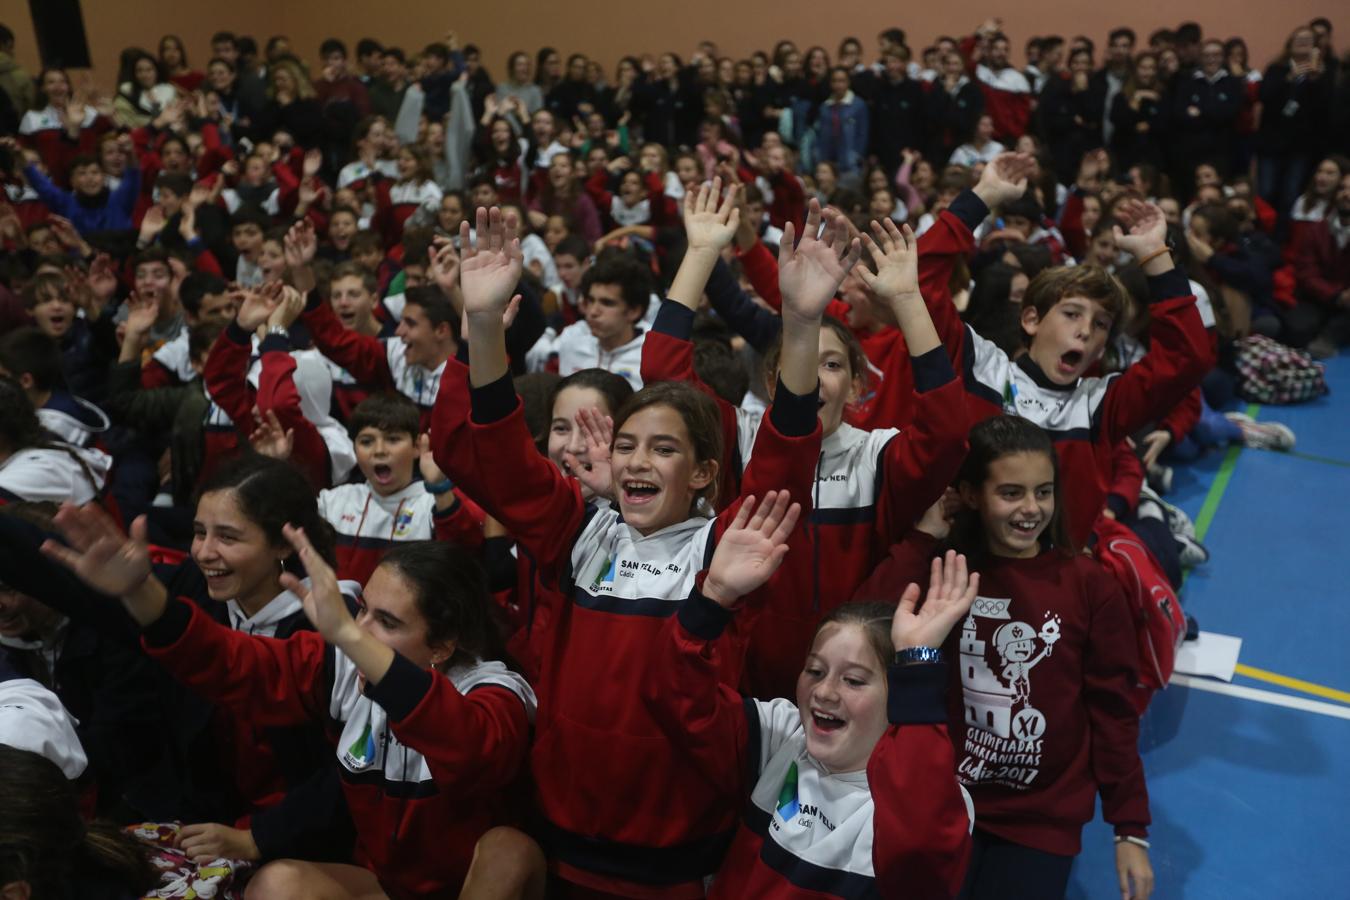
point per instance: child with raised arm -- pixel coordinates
(623, 568)
(850, 790)
(431, 726)
(870, 486)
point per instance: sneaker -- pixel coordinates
(1177, 521)
(1322, 347)
(1192, 628)
(1190, 552)
(1160, 478)
(1262, 435)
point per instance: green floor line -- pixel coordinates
(1325, 460)
(1216, 490)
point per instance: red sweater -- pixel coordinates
(903, 832)
(869, 489)
(1042, 713)
(1089, 419)
(609, 825)
(416, 833)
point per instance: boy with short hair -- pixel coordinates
(390, 506)
(247, 227)
(615, 293)
(204, 298)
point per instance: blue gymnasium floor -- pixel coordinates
(1251, 799)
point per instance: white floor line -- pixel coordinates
(1260, 696)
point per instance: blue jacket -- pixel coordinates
(113, 215)
(847, 147)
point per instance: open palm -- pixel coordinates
(752, 547)
(98, 552)
(708, 224)
(1145, 227)
(896, 254)
(595, 472)
(810, 274)
(951, 590)
(489, 273)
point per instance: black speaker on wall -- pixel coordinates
(60, 33)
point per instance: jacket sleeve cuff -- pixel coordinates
(1169, 285)
(918, 694)
(275, 343)
(674, 319)
(236, 334)
(702, 617)
(794, 415)
(969, 208)
(312, 301)
(1118, 505)
(401, 688)
(170, 626)
(932, 370)
(1131, 829)
(493, 402)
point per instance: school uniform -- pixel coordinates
(54, 474)
(900, 828)
(73, 419)
(424, 758)
(619, 829)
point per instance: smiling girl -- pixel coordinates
(432, 725)
(623, 568)
(1044, 717)
(850, 790)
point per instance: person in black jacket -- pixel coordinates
(1295, 107)
(668, 104)
(1140, 117)
(1071, 114)
(1205, 108)
(898, 122)
(954, 105)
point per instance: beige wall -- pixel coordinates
(608, 29)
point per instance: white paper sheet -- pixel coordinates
(1212, 655)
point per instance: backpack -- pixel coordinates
(1160, 625)
(1270, 372)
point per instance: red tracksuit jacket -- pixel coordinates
(608, 824)
(903, 830)
(1041, 696)
(426, 775)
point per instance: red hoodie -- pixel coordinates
(1042, 712)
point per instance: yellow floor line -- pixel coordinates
(1296, 684)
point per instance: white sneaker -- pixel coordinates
(1262, 435)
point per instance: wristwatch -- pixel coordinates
(913, 655)
(279, 329)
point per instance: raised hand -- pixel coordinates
(300, 244)
(102, 556)
(256, 307)
(751, 549)
(896, 253)
(142, 313)
(270, 439)
(322, 600)
(594, 471)
(443, 265)
(1145, 228)
(951, 590)
(490, 271)
(312, 164)
(426, 461)
(1005, 178)
(288, 309)
(152, 223)
(810, 274)
(710, 219)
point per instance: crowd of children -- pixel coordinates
(741, 478)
